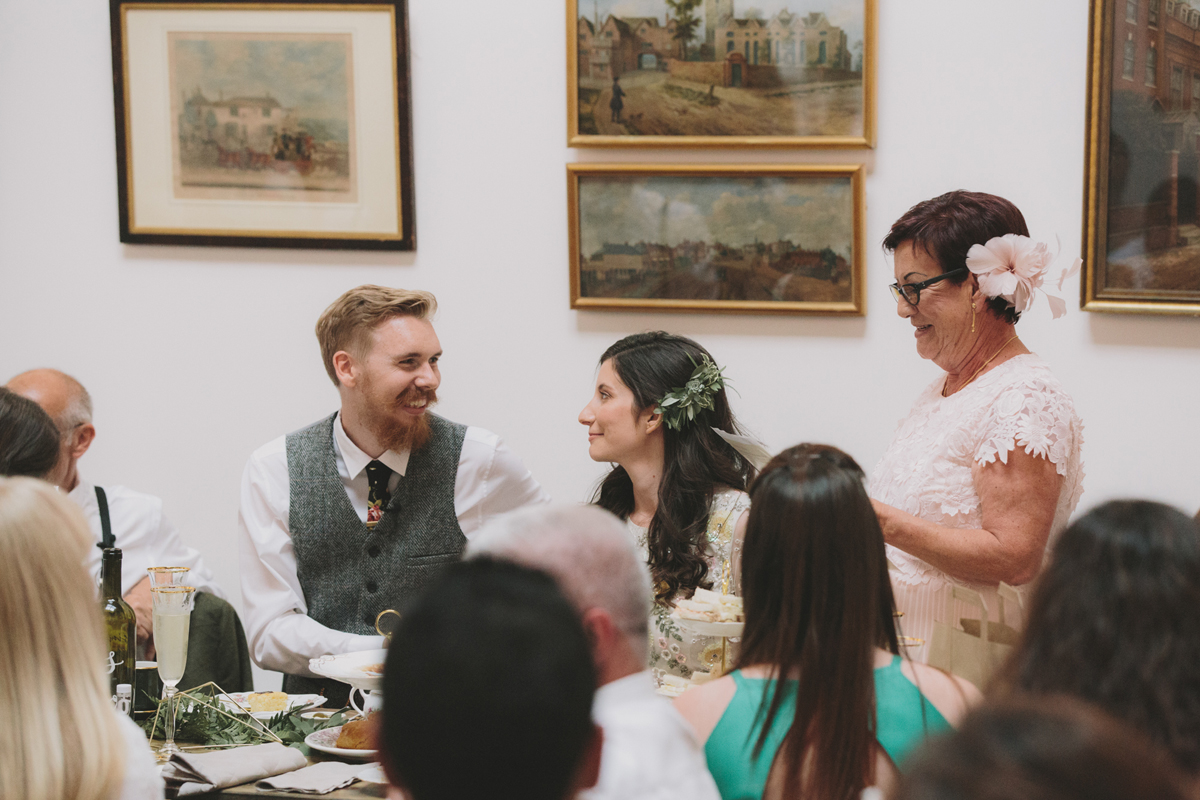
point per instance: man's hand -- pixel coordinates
(142, 603)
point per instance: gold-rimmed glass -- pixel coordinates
(168, 576)
(172, 622)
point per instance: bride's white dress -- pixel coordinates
(926, 472)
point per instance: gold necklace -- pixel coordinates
(975, 374)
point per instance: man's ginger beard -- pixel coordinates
(390, 425)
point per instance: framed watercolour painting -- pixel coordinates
(721, 73)
(264, 124)
(1141, 237)
(748, 239)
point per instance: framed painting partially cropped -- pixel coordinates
(747, 239)
(263, 124)
(709, 73)
(1141, 237)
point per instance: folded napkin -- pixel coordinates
(317, 779)
(197, 773)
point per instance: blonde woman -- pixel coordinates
(59, 734)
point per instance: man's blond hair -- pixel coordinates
(349, 320)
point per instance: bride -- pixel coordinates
(676, 483)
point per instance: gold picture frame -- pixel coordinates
(1141, 205)
(790, 80)
(770, 239)
(253, 124)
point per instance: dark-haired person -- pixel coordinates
(358, 511)
(821, 705)
(28, 439)
(1113, 621)
(1041, 748)
(649, 751)
(986, 467)
(488, 690)
(678, 485)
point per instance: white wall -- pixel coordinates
(196, 356)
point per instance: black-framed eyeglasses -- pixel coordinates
(912, 291)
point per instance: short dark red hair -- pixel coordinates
(948, 225)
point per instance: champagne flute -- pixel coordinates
(172, 621)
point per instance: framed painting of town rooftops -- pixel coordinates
(721, 73)
(785, 239)
(263, 124)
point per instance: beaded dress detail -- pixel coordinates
(673, 650)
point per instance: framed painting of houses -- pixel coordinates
(1141, 238)
(785, 239)
(253, 124)
(721, 73)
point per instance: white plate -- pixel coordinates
(373, 774)
(320, 715)
(704, 628)
(241, 703)
(348, 668)
(326, 742)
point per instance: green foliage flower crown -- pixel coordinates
(682, 405)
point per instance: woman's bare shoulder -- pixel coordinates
(951, 695)
(703, 706)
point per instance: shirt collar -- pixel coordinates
(630, 689)
(356, 460)
(83, 494)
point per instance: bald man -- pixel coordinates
(144, 535)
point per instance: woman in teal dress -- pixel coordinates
(822, 705)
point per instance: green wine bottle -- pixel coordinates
(120, 623)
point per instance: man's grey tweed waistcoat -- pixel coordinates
(350, 573)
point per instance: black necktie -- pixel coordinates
(378, 474)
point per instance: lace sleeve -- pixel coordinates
(1035, 414)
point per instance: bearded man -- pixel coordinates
(358, 512)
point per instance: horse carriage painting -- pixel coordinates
(263, 116)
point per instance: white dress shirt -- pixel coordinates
(650, 752)
(491, 480)
(146, 538)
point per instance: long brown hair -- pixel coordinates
(1113, 621)
(696, 461)
(818, 602)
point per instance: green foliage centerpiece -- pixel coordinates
(206, 723)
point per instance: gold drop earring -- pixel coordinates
(972, 317)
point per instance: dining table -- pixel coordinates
(359, 790)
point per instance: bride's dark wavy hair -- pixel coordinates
(696, 461)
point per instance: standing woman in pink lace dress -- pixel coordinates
(985, 470)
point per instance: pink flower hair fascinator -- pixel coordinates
(1014, 267)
